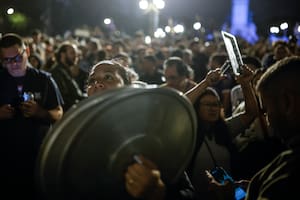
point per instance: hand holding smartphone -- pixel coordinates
(221, 176)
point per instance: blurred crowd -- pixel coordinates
(56, 73)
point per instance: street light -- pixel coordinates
(152, 7)
(284, 26)
(159, 33)
(179, 28)
(274, 29)
(107, 21)
(10, 11)
(197, 26)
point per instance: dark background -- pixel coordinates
(56, 16)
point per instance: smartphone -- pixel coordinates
(240, 193)
(222, 176)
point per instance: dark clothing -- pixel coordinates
(278, 180)
(81, 80)
(68, 87)
(156, 78)
(20, 136)
(182, 190)
(268, 60)
(213, 148)
(200, 61)
(258, 154)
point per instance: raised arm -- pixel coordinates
(212, 77)
(251, 105)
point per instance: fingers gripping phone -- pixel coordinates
(222, 176)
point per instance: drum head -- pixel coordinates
(86, 153)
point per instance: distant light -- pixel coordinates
(159, 33)
(107, 21)
(160, 4)
(148, 39)
(298, 29)
(284, 26)
(209, 36)
(197, 26)
(274, 29)
(10, 11)
(143, 4)
(167, 29)
(179, 28)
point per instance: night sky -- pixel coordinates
(67, 14)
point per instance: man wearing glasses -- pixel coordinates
(177, 75)
(30, 103)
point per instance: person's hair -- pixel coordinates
(36, 32)
(101, 55)
(207, 91)
(150, 58)
(95, 43)
(181, 67)
(283, 75)
(122, 70)
(121, 55)
(252, 60)
(279, 43)
(194, 42)
(11, 39)
(187, 52)
(62, 49)
(38, 59)
(177, 53)
(219, 58)
(160, 56)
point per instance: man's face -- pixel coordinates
(148, 66)
(71, 56)
(103, 77)
(14, 59)
(173, 79)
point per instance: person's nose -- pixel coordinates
(14, 63)
(99, 85)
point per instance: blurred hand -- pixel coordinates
(246, 76)
(31, 108)
(142, 180)
(213, 76)
(6, 111)
(225, 191)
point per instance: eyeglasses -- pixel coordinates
(16, 59)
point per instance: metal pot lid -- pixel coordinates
(86, 153)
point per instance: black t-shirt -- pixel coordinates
(20, 137)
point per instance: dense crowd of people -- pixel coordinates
(245, 122)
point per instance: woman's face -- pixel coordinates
(209, 108)
(103, 77)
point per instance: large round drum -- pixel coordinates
(86, 154)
